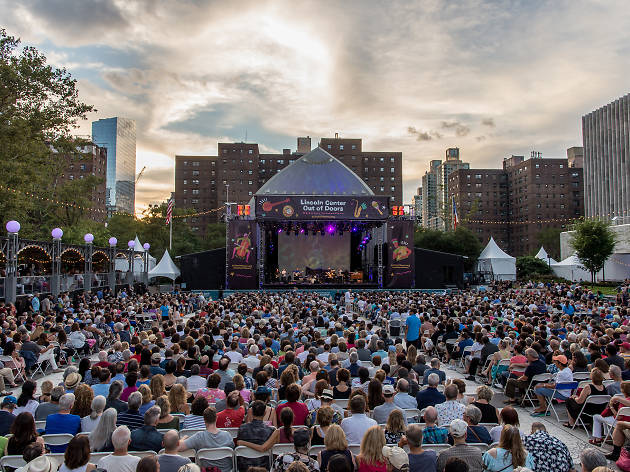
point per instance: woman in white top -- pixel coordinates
(88, 423)
(77, 456)
(26, 401)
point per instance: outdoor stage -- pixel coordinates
(316, 224)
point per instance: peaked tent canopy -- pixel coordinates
(544, 256)
(138, 245)
(165, 268)
(492, 259)
(571, 269)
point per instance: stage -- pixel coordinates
(323, 286)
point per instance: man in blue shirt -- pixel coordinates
(63, 422)
(412, 329)
(430, 396)
(535, 367)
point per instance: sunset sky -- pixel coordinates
(493, 78)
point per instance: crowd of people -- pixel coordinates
(367, 386)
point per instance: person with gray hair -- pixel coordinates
(148, 438)
(434, 369)
(63, 422)
(451, 409)
(419, 459)
(591, 458)
(430, 396)
(120, 460)
(614, 388)
(88, 423)
(132, 417)
(475, 433)
(170, 460)
(402, 399)
(101, 436)
(51, 407)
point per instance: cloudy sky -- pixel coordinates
(493, 78)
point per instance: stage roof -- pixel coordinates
(316, 173)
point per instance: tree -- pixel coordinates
(39, 109)
(462, 241)
(594, 243)
(527, 266)
(549, 238)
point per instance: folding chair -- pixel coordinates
(342, 402)
(95, 457)
(189, 453)
(623, 411)
(412, 415)
(313, 451)
(233, 431)
(529, 392)
(462, 360)
(57, 439)
(483, 447)
(560, 386)
(215, 454)
(247, 453)
(355, 449)
(12, 462)
(577, 376)
(18, 372)
(142, 454)
(502, 363)
(592, 400)
(189, 431)
(436, 447)
(279, 449)
(479, 374)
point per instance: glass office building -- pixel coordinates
(118, 135)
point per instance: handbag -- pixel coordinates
(624, 460)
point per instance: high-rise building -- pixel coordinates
(417, 206)
(118, 136)
(429, 195)
(205, 183)
(450, 165)
(606, 139)
(516, 203)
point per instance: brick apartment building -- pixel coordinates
(93, 162)
(516, 203)
(206, 182)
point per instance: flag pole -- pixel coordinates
(170, 237)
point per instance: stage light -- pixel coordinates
(239, 210)
(246, 210)
(355, 229)
(302, 231)
(279, 230)
(330, 229)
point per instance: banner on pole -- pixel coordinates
(400, 256)
(241, 256)
(169, 212)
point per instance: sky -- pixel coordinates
(494, 78)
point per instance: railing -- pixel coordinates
(33, 284)
(100, 280)
(70, 282)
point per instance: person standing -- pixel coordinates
(412, 329)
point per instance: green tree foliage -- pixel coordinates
(549, 238)
(462, 241)
(39, 109)
(528, 266)
(594, 243)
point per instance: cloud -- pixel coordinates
(423, 135)
(193, 73)
(460, 129)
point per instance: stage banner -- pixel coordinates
(241, 263)
(400, 260)
(322, 208)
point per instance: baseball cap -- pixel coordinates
(458, 428)
(561, 358)
(397, 456)
(156, 356)
(388, 390)
(327, 393)
(9, 400)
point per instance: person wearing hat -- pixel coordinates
(39, 464)
(544, 391)
(6, 414)
(155, 364)
(397, 458)
(72, 380)
(381, 412)
(469, 454)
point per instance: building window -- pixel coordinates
(195, 173)
(574, 174)
(382, 159)
(71, 177)
(194, 201)
(195, 191)
(250, 151)
(195, 182)
(393, 189)
(195, 163)
(82, 166)
(329, 146)
(354, 146)
(391, 170)
(391, 159)
(250, 182)
(382, 169)
(185, 163)
(185, 182)
(249, 193)
(382, 189)
(341, 147)
(262, 161)
(280, 161)
(561, 166)
(477, 176)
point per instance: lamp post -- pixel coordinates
(55, 280)
(89, 251)
(13, 228)
(112, 264)
(145, 272)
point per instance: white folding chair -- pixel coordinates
(12, 461)
(189, 432)
(314, 450)
(41, 424)
(18, 372)
(247, 453)
(436, 447)
(483, 447)
(489, 426)
(608, 428)
(279, 449)
(577, 376)
(529, 392)
(95, 457)
(205, 456)
(142, 454)
(572, 386)
(592, 400)
(462, 361)
(412, 415)
(342, 402)
(355, 449)
(233, 431)
(57, 439)
(189, 453)
(41, 366)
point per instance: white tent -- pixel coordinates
(496, 262)
(571, 269)
(138, 246)
(542, 255)
(165, 268)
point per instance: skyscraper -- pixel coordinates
(451, 164)
(118, 135)
(429, 195)
(606, 138)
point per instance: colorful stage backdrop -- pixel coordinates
(400, 256)
(241, 256)
(322, 208)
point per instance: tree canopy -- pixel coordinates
(594, 243)
(528, 266)
(462, 241)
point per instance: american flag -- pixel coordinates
(169, 212)
(455, 218)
